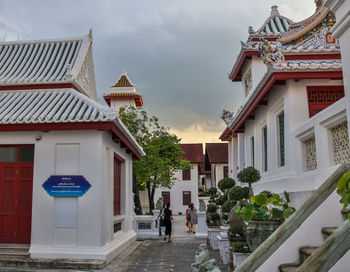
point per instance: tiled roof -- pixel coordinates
(38, 62)
(123, 81)
(275, 24)
(193, 152)
(51, 106)
(217, 152)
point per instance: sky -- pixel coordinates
(177, 53)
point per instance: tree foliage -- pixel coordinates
(163, 152)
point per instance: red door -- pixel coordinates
(16, 185)
(166, 197)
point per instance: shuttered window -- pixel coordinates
(186, 197)
(225, 171)
(281, 139)
(265, 149)
(186, 174)
(116, 186)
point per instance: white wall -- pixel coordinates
(84, 153)
(219, 172)
(176, 199)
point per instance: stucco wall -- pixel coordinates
(176, 199)
(71, 153)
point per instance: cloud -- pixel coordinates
(178, 53)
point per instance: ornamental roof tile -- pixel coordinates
(193, 152)
(51, 106)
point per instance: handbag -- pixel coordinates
(188, 217)
(161, 222)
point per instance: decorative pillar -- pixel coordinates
(202, 231)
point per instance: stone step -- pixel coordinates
(306, 252)
(14, 250)
(328, 231)
(292, 267)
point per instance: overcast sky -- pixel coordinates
(178, 53)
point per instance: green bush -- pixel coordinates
(343, 189)
(225, 217)
(238, 193)
(221, 200)
(237, 229)
(249, 175)
(226, 183)
(240, 247)
(228, 205)
(215, 217)
(212, 208)
(212, 191)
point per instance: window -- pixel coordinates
(186, 174)
(320, 97)
(225, 171)
(264, 148)
(166, 197)
(281, 140)
(116, 186)
(186, 198)
(252, 152)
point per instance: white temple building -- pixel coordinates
(293, 123)
(65, 159)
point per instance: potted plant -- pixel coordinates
(213, 218)
(240, 252)
(264, 213)
(249, 175)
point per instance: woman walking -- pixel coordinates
(168, 216)
(193, 217)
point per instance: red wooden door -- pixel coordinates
(16, 183)
(166, 197)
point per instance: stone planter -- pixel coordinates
(238, 258)
(259, 231)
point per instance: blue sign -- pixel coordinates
(66, 185)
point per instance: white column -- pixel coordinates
(202, 231)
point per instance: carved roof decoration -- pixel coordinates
(300, 31)
(123, 81)
(274, 25)
(316, 65)
(47, 62)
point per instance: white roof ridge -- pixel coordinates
(77, 38)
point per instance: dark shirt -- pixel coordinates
(167, 214)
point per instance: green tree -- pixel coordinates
(163, 152)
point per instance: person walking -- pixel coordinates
(188, 219)
(193, 217)
(161, 220)
(168, 216)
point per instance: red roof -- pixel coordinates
(193, 152)
(217, 152)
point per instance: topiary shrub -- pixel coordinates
(237, 229)
(225, 217)
(221, 200)
(226, 183)
(215, 217)
(212, 208)
(238, 193)
(228, 205)
(249, 175)
(240, 247)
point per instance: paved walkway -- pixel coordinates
(152, 255)
(157, 255)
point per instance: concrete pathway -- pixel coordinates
(160, 256)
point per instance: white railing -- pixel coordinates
(146, 226)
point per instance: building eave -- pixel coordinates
(265, 86)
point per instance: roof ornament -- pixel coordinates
(274, 11)
(124, 72)
(250, 30)
(69, 74)
(90, 35)
(270, 53)
(227, 116)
